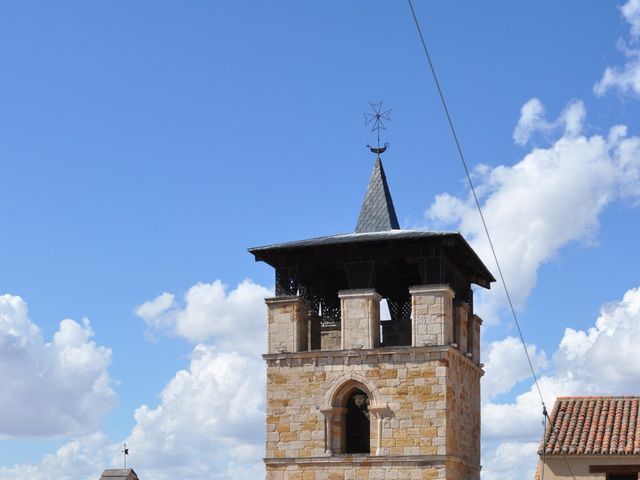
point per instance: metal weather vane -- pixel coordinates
(375, 119)
(125, 452)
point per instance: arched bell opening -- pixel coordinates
(357, 423)
(349, 415)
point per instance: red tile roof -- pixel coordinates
(593, 426)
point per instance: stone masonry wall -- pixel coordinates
(411, 386)
(330, 337)
(359, 472)
(362, 469)
(463, 408)
(360, 312)
(288, 320)
(414, 392)
(432, 315)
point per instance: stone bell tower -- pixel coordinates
(351, 396)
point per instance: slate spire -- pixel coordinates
(377, 213)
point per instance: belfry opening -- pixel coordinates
(357, 423)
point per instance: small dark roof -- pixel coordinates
(119, 474)
(593, 426)
(377, 213)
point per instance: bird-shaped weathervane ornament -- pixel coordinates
(375, 119)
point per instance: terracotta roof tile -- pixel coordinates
(593, 426)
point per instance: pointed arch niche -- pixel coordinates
(353, 419)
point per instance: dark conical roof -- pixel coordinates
(377, 213)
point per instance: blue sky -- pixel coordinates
(144, 146)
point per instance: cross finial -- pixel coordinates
(125, 452)
(376, 120)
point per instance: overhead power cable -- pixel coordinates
(475, 197)
(484, 223)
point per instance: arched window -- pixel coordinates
(357, 423)
(348, 416)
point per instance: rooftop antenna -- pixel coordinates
(375, 120)
(125, 452)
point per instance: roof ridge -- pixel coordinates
(597, 397)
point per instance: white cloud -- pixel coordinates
(234, 319)
(158, 313)
(521, 419)
(55, 388)
(572, 118)
(600, 356)
(82, 458)
(532, 120)
(592, 362)
(553, 196)
(625, 79)
(506, 365)
(506, 461)
(631, 13)
(209, 423)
